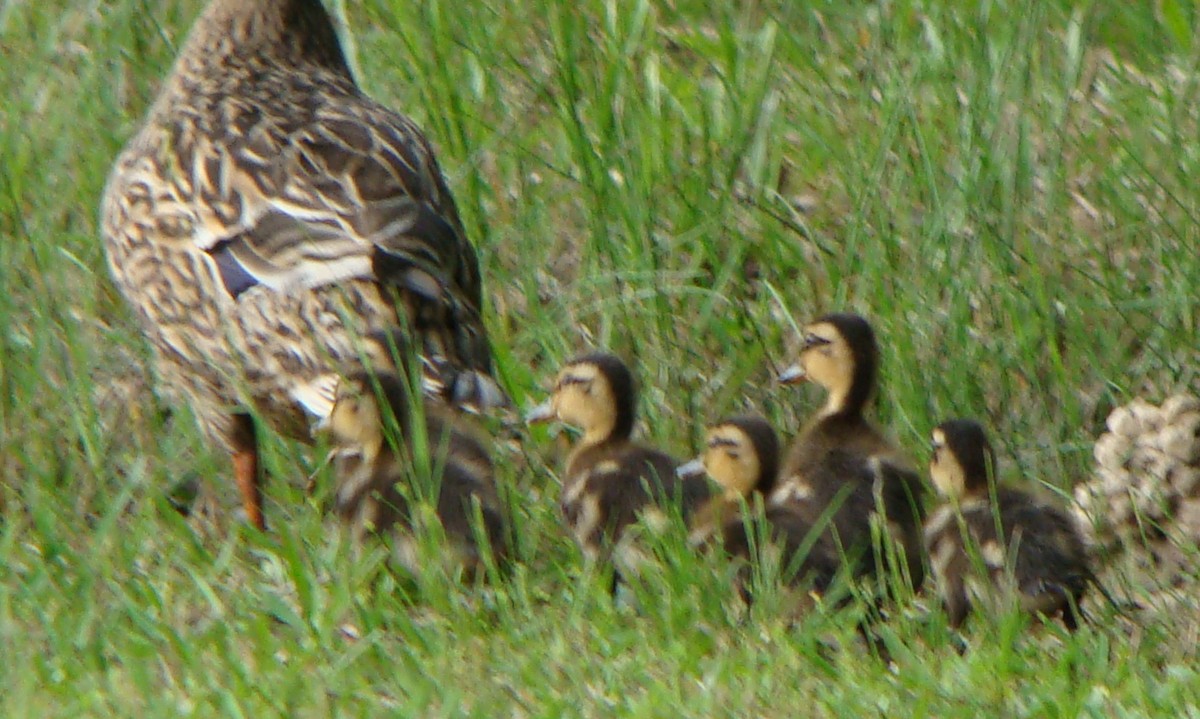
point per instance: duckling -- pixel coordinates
(841, 470)
(610, 480)
(742, 456)
(1026, 545)
(436, 451)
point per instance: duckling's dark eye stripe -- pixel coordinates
(570, 380)
(812, 340)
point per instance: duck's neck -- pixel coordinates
(594, 440)
(371, 450)
(849, 393)
(602, 434)
(292, 32)
(843, 403)
(836, 403)
(977, 488)
(973, 494)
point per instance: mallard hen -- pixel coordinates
(267, 217)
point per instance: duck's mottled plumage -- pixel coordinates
(268, 217)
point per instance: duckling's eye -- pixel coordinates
(352, 398)
(813, 340)
(570, 380)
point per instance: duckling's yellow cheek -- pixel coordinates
(748, 472)
(821, 366)
(717, 466)
(564, 407)
(947, 477)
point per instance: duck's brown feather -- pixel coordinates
(268, 218)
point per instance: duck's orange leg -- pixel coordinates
(246, 470)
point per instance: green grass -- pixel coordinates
(1005, 188)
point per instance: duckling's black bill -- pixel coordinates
(794, 374)
(691, 470)
(540, 414)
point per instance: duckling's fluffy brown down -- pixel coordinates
(1038, 552)
(434, 457)
(998, 543)
(609, 486)
(611, 481)
(841, 471)
(742, 456)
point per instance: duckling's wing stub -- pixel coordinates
(460, 493)
(1051, 556)
(807, 556)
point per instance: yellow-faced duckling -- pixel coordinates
(841, 471)
(610, 480)
(434, 456)
(1022, 544)
(742, 456)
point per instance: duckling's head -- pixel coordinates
(595, 393)
(963, 461)
(742, 455)
(839, 353)
(356, 418)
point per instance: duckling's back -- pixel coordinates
(1038, 542)
(609, 487)
(839, 474)
(850, 435)
(809, 558)
(1051, 555)
(461, 486)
